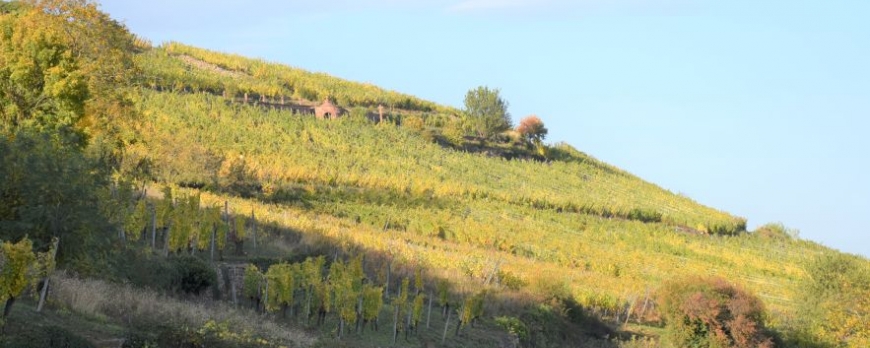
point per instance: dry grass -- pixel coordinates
(135, 307)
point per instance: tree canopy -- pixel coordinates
(64, 67)
(532, 128)
(487, 111)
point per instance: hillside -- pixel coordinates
(529, 244)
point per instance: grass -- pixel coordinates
(25, 323)
(139, 309)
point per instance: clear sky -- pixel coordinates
(759, 108)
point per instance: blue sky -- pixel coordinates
(757, 108)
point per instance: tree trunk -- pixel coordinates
(8, 308)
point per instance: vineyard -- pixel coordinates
(414, 229)
(483, 223)
(455, 211)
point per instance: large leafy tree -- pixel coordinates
(487, 111)
(64, 69)
(48, 190)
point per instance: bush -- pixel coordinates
(192, 275)
(710, 312)
(152, 272)
(414, 123)
(643, 215)
(834, 302)
(776, 231)
(514, 326)
(183, 274)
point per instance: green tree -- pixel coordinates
(66, 69)
(34, 202)
(487, 111)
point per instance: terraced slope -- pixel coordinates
(384, 189)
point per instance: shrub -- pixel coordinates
(235, 177)
(834, 302)
(776, 231)
(414, 123)
(710, 312)
(192, 275)
(514, 326)
(643, 215)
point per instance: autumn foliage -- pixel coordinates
(532, 128)
(710, 312)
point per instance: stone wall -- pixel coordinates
(231, 280)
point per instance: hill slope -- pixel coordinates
(382, 188)
(145, 165)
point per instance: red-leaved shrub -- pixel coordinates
(710, 312)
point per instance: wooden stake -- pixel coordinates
(153, 226)
(44, 293)
(446, 325)
(429, 311)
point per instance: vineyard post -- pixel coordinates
(429, 311)
(308, 304)
(395, 323)
(166, 244)
(359, 311)
(408, 322)
(387, 286)
(645, 302)
(122, 235)
(153, 226)
(446, 325)
(233, 293)
(227, 217)
(213, 236)
(265, 293)
(631, 303)
(44, 293)
(254, 229)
